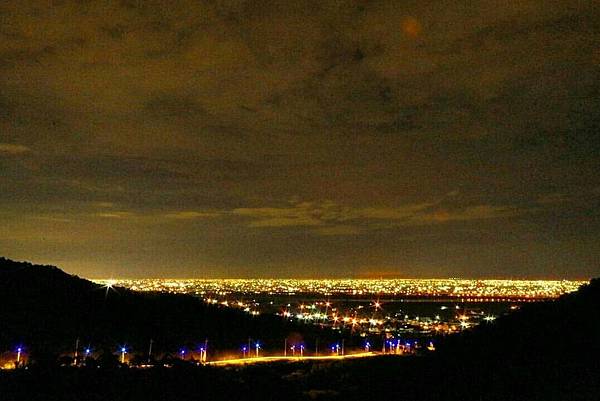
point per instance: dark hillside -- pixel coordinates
(545, 351)
(44, 307)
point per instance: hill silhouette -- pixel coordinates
(46, 309)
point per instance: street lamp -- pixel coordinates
(76, 353)
(301, 350)
(123, 352)
(257, 346)
(203, 351)
(19, 350)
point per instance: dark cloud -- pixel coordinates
(280, 138)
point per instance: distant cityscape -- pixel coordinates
(395, 308)
(387, 316)
(526, 289)
(393, 316)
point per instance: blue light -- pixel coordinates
(88, 351)
(19, 349)
(123, 349)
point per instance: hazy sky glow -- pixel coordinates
(295, 138)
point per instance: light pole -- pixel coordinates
(367, 346)
(301, 350)
(19, 350)
(293, 348)
(203, 354)
(123, 352)
(76, 353)
(257, 348)
(244, 351)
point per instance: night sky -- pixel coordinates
(301, 139)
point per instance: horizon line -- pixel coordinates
(338, 278)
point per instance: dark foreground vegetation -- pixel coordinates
(546, 351)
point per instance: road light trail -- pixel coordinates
(243, 361)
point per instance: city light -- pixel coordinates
(462, 288)
(358, 315)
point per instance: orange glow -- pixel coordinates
(244, 361)
(411, 26)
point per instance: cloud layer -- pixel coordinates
(214, 137)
